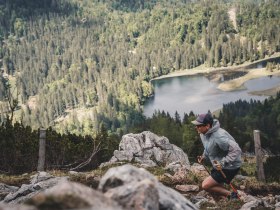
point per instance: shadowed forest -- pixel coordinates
(82, 69)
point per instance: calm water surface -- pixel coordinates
(198, 94)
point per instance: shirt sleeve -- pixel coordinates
(228, 144)
(234, 151)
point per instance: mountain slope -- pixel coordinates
(100, 56)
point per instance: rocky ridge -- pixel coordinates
(126, 187)
(149, 150)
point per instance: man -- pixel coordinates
(222, 151)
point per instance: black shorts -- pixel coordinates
(218, 177)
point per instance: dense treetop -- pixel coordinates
(81, 63)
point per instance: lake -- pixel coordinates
(198, 94)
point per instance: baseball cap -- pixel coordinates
(203, 119)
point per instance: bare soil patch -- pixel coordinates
(239, 82)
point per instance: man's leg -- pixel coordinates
(210, 185)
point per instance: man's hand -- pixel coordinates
(200, 159)
(217, 165)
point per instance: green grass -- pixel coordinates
(248, 169)
(15, 180)
(223, 204)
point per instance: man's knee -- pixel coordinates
(206, 185)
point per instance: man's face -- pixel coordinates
(202, 128)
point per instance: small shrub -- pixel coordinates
(248, 169)
(255, 188)
(272, 169)
(156, 171)
(15, 180)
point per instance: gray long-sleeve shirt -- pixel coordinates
(221, 146)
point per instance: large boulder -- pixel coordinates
(71, 195)
(150, 150)
(6, 189)
(125, 183)
(38, 183)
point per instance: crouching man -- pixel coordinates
(222, 151)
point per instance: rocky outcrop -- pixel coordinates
(121, 188)
(71, 195)
(38, 183)
(153, 195)
(6, 189)
(125, 187)
(150, 150)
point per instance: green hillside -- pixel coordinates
(78, 64)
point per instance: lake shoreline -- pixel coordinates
(237, 83)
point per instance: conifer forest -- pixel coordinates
(82, 70)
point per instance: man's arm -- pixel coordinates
(227, 143)
(233, 152)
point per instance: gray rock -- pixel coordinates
(197, 198)
(123, 155)
(199, 170)
(6, 189)
(70, 195)
(240, 177)
(110, 162)
(163, 143)
(145, 162)
(27, 191)
(131, 144)
(203, 193)
(130, 176)
(242, 187)
(139, 195)
(22, 192)
(269, 200)
(148, 154)
(150, 150)
(73, 173)
(179, 176)
(178, 155)
(187, 188)
(251, 204)
(177, 166)
(159, 155)
(121, 175)
(199, 203)
(249, 198)
(40, 176)
(148, 141)
(172, 200)
(277, 198)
